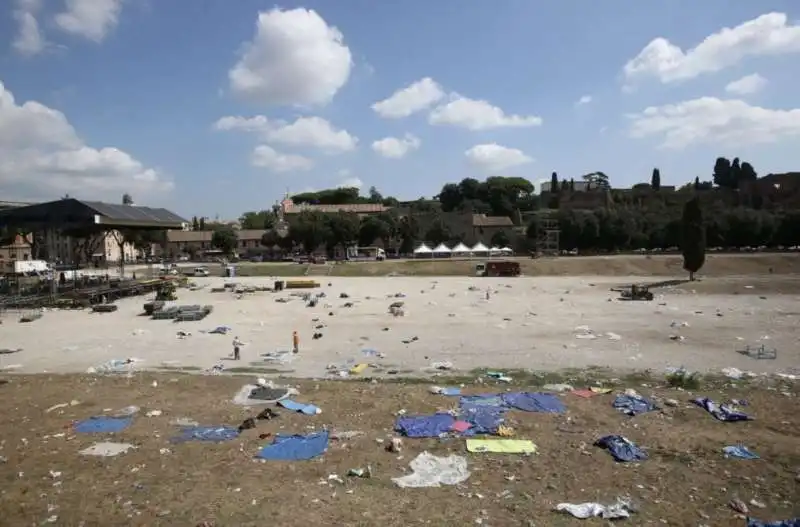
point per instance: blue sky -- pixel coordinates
(131, 94)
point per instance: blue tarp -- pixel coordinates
(482, 400)
(739, 451)
(206, 433)
(484, 419)
(295, 447)
(102, 425)
(633, 404)
(425, 425)
(794, 522)
(535, 402)
(622, 449)
(722, 412)
(294, 406)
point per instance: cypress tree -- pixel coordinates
(693, 243)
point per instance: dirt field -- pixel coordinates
(685, 482)
(619, 265)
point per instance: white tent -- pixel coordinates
(422, 249)
(494, 250)
(506, 250)
(460, 249)
(480, 248)
(441, 248)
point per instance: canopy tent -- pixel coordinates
(441, 248)
(494, 250)
(506, 250)
(480, 248)
(460, 249)
(423, 249)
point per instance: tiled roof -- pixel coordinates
(482, 220)
(358, 208)
(205, 236)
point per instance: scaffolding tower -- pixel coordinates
(548, 236)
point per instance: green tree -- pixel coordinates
(257, 220)
(127, 199)
(371, 229)
(202, 223)
(195, 224)
(438, 232)
(500, 239)
(655, 179)
(408, 231)
(554, 183)
(571, 184)
(310, 229)
(722, 173)
(374, 195)
(697, 183)
(224, 238)
(343, 228)
(450, 197)
(748, 173)
(693, 243)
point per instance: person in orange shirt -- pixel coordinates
(295, 342)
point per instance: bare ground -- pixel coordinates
(686, 481)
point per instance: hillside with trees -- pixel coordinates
(738, 209)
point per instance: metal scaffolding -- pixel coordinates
(548, 236)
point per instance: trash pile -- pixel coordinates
(183, 313)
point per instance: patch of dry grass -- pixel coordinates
(686, 476)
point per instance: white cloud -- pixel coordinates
(714, 121)
(411, 99)
(747, 85)
(586, 99)
(769, 34)
(295, 58)
(91, 19)
(265, 156)
(493, 158)
(351, 182)
(478, 115)
(396, 147)
(29, 40)
(313, 132)
(42, 156)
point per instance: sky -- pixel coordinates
(212, 108)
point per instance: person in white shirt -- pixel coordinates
(237, 345)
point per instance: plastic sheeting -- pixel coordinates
(740, 452)
(294, 406)
(102, 425)
(534, 402)
(621, 448)
(722, 412)
(501, 446)
(620, 509)
(425, 425)
(295, 447)
(106, 449)
(633, 404)
(794, 522)
(434, 471)
(206, 433)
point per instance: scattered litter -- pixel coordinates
(500, 376)
(62, 405)
(153, 413)
(346, 435)
(759, 352)
(439, 390)
(114, 366)
(206, 433)
(308, 409)
(740, 452)
(106, 449)
(434, 471)
(584, 333)
(735, 373)
(622, 508)
(621, 448)
(722, 412)
(501, 446)
(358, 368)
(281, 356)
(252, 394)
(184, 422)
(633, 404)
(219, 330)
(360, 472)
(102, 424)
(613, 336)
(562, 387)
(591, 392)
(295, 447)
(442, 365)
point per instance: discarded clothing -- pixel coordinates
(425, 425)
(722, 412)
(461, 426)
(102, 425)
(434, 471)
(534, 402)
(794, 522)
(106, 449)
(739, 451)
(220, 330)
(308, 409)
(633, 404)
(621, 449)
(501, 446)
(206, 433)
(295, 447)
(620, 509)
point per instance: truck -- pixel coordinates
(28, 267)
(498, 268)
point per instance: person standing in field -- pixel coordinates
(295, 342)
(237, 346)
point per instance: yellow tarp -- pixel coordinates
(358, 368)
(502, 446)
